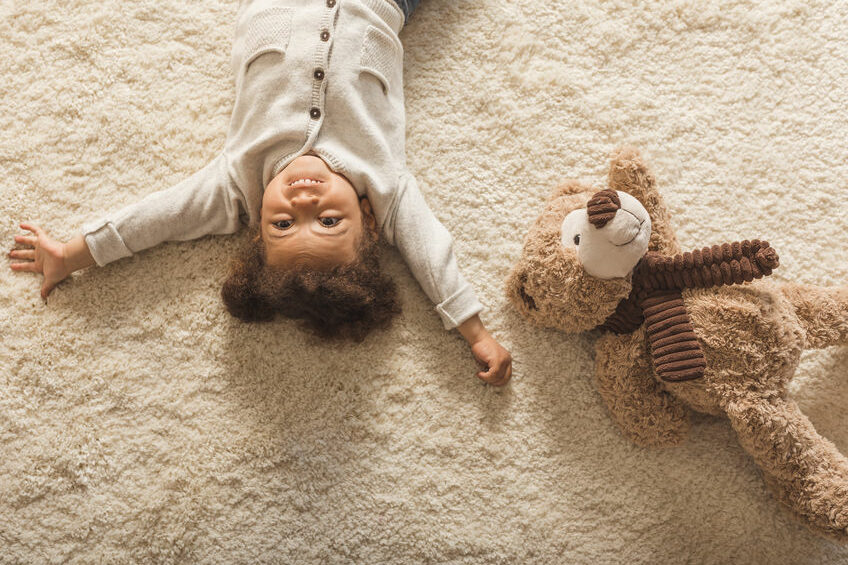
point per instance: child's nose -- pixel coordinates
(304, 199)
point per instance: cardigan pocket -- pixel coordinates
(381, 58)
(267, 31)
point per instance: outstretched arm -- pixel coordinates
(628, 173)
(205, 203)
(427, 247)
(646, 414)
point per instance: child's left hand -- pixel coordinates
(491, 355)
(43, 254)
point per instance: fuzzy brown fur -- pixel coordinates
(752, 336)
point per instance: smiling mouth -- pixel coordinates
(304, 182)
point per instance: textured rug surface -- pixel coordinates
(140, 423)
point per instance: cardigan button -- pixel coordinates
(318, 74)
(325, 35)
(331, 3)
(315, 113)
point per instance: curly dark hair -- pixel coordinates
(347, 302)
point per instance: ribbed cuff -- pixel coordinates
(389, 11)
(105, 243)
(459, 307)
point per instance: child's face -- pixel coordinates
(318, 224)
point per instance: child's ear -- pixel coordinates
(258, 235)
(368, 219)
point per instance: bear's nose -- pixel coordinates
(620, 226)
(602, 207)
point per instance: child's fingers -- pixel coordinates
(26, 240)
(500, 379)
(495, 376)
(487, 374)
(502, 374)
(22, 254)
(504, 377)
(26, 266)
(507, 376)
(32, 227)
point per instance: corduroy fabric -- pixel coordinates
(139, 423)
(720, 348)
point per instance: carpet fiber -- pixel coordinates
(140, 423)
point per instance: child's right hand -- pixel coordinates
(53, 259)
(495, 361)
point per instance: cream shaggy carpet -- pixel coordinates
(140, 423)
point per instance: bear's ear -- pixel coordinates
(629, 173)
(569, 187)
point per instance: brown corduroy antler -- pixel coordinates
(656, 299)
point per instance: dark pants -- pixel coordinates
(408, 6)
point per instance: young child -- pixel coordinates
(314, 162)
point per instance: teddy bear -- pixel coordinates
(705, 330)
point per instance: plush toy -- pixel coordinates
(680, 331)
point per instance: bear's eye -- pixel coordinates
(577, 239)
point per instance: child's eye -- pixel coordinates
(329, 222)
(283, 224)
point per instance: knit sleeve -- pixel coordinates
(427, 247)
(205, 203)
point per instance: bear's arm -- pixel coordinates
(628, 173)
(646, 413)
